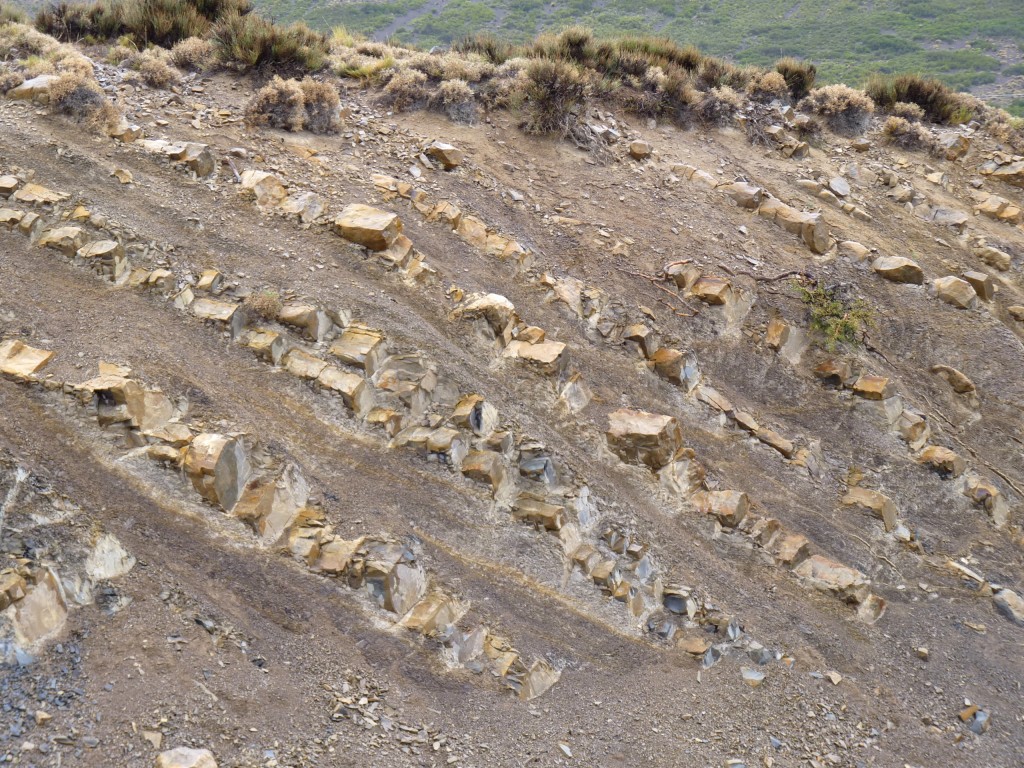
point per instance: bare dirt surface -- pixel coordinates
(214, 640)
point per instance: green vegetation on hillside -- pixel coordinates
(849, 39)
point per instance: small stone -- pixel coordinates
(184, 757)
(752, 677)
(640, 150)
(982, 284)
(955, 291)
(1011, 605)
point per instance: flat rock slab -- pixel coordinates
(368, 226)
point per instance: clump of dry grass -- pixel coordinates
(940, 103)
(152, 66)
(194, 54)
(456, 99)
(907, 110)
(799, 76)
(556, 93)
(719, 106)
(82, 100)
(845, 110)
(902, 133)
(406, 88)
(296, 105)
(264, 303)
(767, 86)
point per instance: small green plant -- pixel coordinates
(835, 318)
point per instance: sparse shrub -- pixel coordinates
(9, 80)
(835, 318)
(714, 72)
(193, 53)
(155, 71)
(148, 22)
(907, 110)
(767, 86)
(555, 92)
(251, 41)
(279, 104)
(940, 103)
(34, 66)
(294, 106)
(8, 13)
(799, 76)
(342, 38)
(902, 133)
(264, 303)
(117, 54)
(456, 99)
(718, 106)
(82, 100)
(406, 88)
(77, 21)
(322, 105)
(576, 44)
(845, 110)
(495, 51)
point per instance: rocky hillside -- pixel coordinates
(429, 443)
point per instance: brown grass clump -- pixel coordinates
(799, 76)
(82, 100)
(845, 110)
(907, 110)
(767, 87)
(295, 105)
(193, 54)
(406, 88)
(155, 71)
(719, 106)
(556, 93)
(9, 80)
(907, 135)
(456, 99)
(264, 303)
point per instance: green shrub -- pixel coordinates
(834, 318)
(799, 75)
(251, 41)
(556, 92)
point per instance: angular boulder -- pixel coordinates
(1011, 605)
(943, 460)
(21, 361)
(955, 291)
(368, 226)
(218, 467)
(448, 156)
(899, 269)
(728, 507)
(826, 575)
(639, 437)
(883, 507)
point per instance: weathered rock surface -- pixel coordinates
(899, 269)
(186, 757)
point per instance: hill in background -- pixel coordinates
(973, 45)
